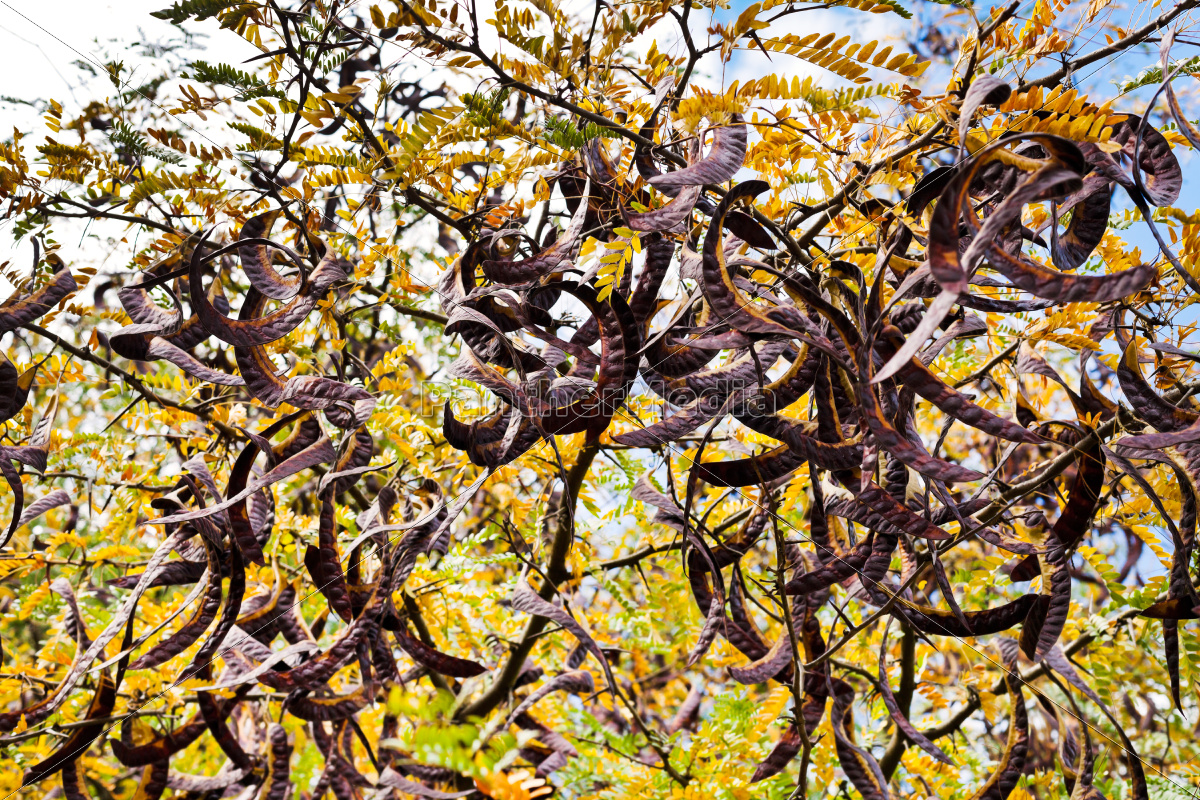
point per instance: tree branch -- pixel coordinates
(1056, 77)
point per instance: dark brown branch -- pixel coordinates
(556, 572)
(418, 622)
(904, 696)
(635, 557)
(92, 213)
(1137, 37)
(133, 381)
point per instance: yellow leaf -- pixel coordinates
(32, 600)
(746, 20)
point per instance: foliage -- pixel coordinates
(648, 400)
(252, 87)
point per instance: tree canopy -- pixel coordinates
(654, 399)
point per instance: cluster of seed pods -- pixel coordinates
(832, 370)
(852, 357)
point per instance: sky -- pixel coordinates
(40, 43)
(40, 40)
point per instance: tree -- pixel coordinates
(514, 403)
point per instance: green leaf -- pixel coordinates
(194, 9)
(251, 86)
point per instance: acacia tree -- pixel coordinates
(829, 436)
